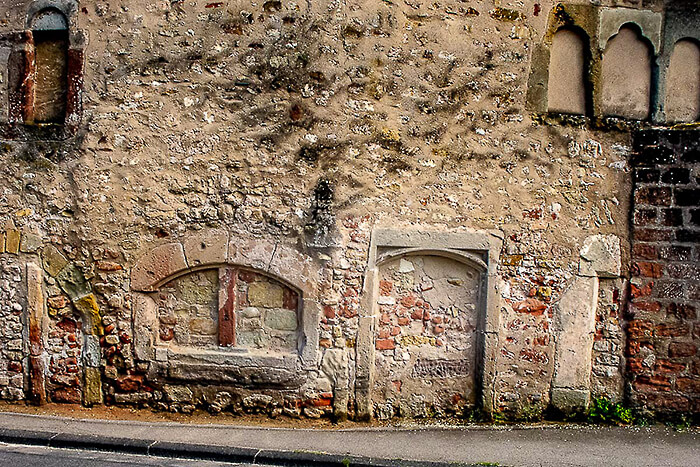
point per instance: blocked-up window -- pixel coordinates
(683, 82)
(228, 307)
(50, 32)
(568, 66)
(627, 75)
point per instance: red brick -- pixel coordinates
(654, 195)
(395, 331)
(646, 269)
(383, 333)
(664, 365)
(328, 311)
(438, 329)
(634, 364)
(408, 301)
(403, 321)
(325, 343)
(644, 216)
(385, 287)
(108, 266)
(682, 311)
(646, 306)
(129, 383)
(652, 383)
(669, 403)
(386, 344)
(643, 291)
(672, 329)
(531, 306)
(688, 385)
(682, 349)
(66, 395)
(645, 251)
(417, 314)
(653, 235)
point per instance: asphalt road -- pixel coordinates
(13, 455)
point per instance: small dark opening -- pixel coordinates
(51, 82)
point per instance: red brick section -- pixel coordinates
(663, 330)
(227, 309)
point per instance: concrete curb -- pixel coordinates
(204, 452)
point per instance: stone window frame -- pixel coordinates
(478, 249)
(215, 249)
(599, 24)
(21, 71)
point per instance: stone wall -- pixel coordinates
(664, 331)
(228, 215)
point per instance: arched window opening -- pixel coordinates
(626, 77)
(683, 83)
(568, 67)
(50, 32)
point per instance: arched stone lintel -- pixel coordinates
(613, 19)
(466, 258)
(215, 248)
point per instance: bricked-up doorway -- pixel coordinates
(227, 307)
(426, 340)
(427, 344)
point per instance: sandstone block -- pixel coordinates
(12, 241)
(157, 265)
(206, 248)
(53, 260)
(570, 401)
(265, 295)
(203, 326)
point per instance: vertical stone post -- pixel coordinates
(576, 313)
(35, 320)
(364, 348)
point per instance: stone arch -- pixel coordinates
(627, 74)
(682, 99)
(290, 275)
(568, 89)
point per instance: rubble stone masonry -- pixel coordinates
(350, 208)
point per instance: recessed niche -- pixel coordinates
(567, 71)
(682, 102)
(626, 77)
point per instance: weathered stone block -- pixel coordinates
(73, 283)
(209, 247)
(157, 265)
(600, 256)
(30, 243)
(265, 295)
(203, 326)
(53, 260)
(281, 319)
(12, 241)
(92, 386)
(570, 401)
(178, 393)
